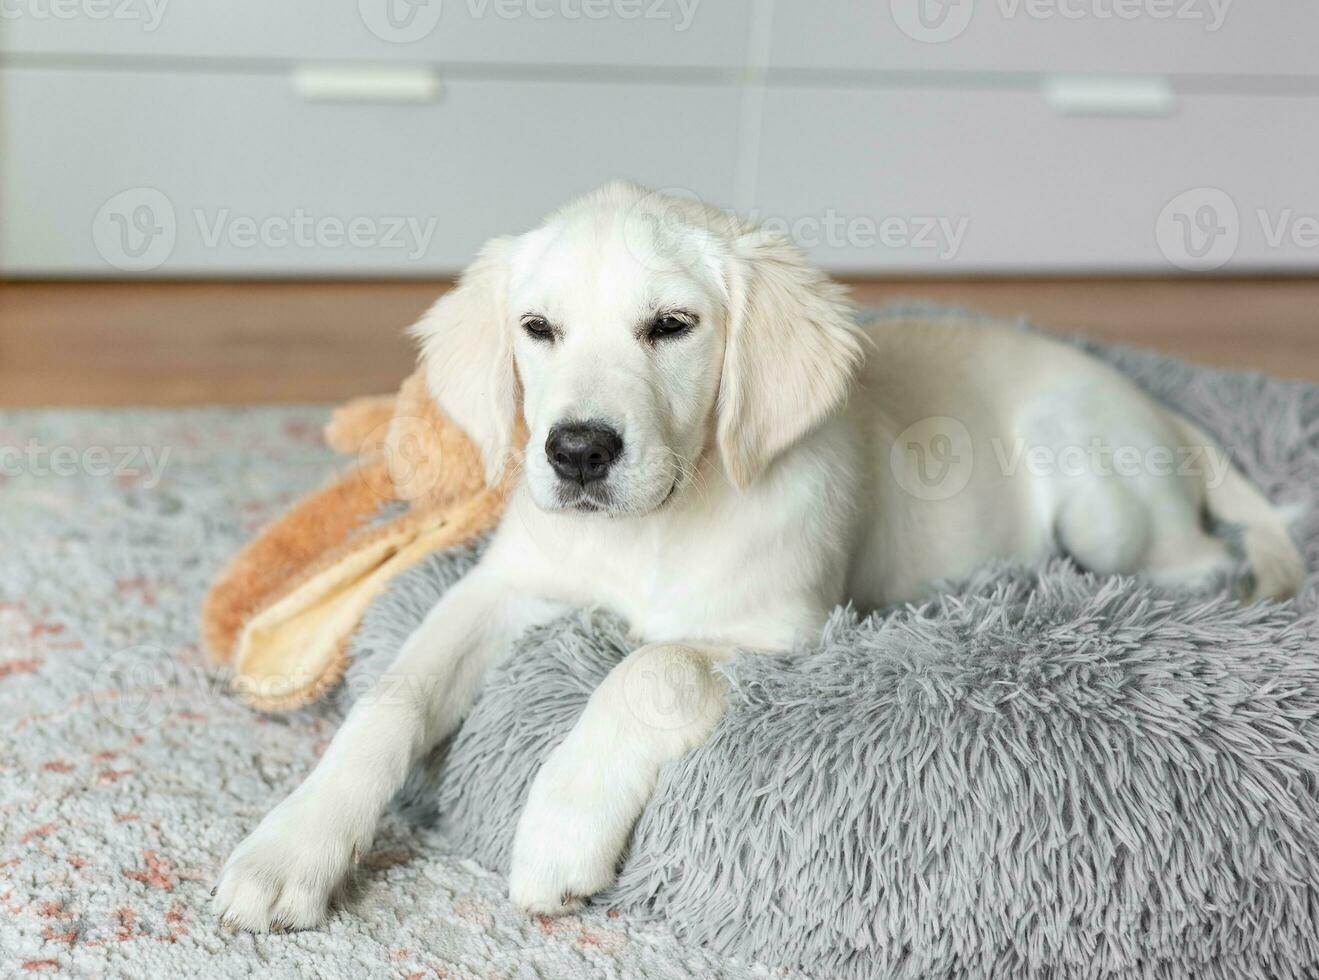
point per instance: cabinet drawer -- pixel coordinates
(521, 32)
(248, 178)
(1119, 36)
(886, 180)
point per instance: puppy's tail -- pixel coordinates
(1278, 567)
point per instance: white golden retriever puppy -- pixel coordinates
(720, 455)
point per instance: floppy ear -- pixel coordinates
(792, 350)
(467, 351)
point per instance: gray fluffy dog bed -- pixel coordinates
(1039, 774)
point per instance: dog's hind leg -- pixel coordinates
(1104, 527)
(1108, 527)
(1276, 564)
(1190, 558)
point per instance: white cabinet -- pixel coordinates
(948, 181)
(246, 177)
(1183, 37)
(506, 33)
(185, 137)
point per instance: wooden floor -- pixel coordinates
(121, 343)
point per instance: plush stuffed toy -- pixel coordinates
(283, 610)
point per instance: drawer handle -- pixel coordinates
(1109, 95)
(366, 83)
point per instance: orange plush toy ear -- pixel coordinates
(283, 550)
(284, 609)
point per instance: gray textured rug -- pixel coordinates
(127, 770)
(1041, 774)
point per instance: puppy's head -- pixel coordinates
(636, 332)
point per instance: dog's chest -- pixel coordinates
(688, 582)
(664, 586)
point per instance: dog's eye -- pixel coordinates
(669, 325)
(538, 327)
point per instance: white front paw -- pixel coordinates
(283, 875)
(570, 836)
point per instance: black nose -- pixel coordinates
(582, 451)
